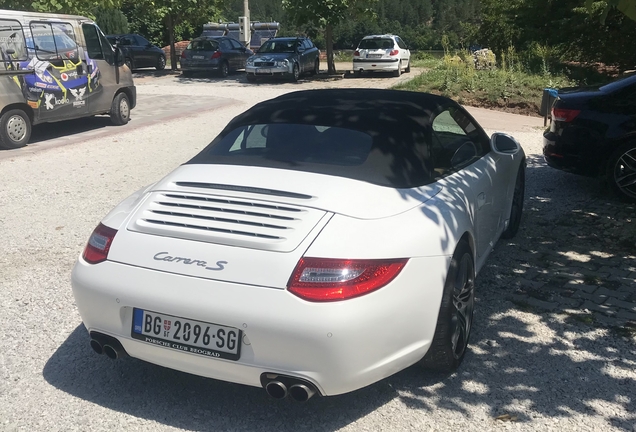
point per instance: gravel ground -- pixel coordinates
(530, 367)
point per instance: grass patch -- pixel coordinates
(585, 318)
(628, 330)
(508, 88)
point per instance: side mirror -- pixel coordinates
(504, 143)
(119, 57)
(464, 155)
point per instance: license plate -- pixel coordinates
(182, 334)
(375, 56)
(198, 57)
(263, 71)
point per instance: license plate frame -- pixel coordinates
(165, 338)
(375, 56)
(263, 71)
(198, 57)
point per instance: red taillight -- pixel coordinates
(394, 52)
(324, 279)
(564, 115)
(356, 53)
(217, 54)
(98, 244)
(183, 54)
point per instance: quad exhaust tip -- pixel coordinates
(281, 386)
(104, 344)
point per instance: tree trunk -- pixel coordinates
(329, 40)
(173, 53)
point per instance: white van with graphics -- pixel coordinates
(57, 67)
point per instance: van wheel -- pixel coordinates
(120, 110)
(15, 129)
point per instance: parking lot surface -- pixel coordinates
(553, 346)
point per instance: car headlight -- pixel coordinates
(283, 63)
(250, 62)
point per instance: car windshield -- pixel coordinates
(203, 45)
(279, 46)
(371, 44)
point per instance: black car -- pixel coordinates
(291, 57)
(217, 54)
(138, 52)
(593, 133)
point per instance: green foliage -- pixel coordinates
(111, 20)
(79, 7)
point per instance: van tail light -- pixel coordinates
(356, 53)
(183, 55)
(98, 244)
(217, 54)
(394, 52)
(325, 279)
(564, 115)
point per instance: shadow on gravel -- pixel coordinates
(47, 131)
(190, 402)
(551, 336)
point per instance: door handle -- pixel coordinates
(481, 200)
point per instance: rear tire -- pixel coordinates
(120, 110)
(398, 72)
(516, 210)
(621, 172)
(15, 129)
(224, 69)
(408, 67)
(455, 318)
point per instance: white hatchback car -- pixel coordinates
(382, 53)
(326, 239)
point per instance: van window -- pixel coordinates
(12, 41)
(52, 41)
(97, 46)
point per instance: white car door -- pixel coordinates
(405, 54)
(462, 153)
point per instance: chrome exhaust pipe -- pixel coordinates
(276, 389)
(301, 392)
(110, 352)
(97, 347)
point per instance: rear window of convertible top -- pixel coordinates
(320, 149)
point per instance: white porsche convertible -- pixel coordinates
(325, 240)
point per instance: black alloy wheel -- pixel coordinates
(161, 63)
(455, 318)
(516, 210)
(621, 172)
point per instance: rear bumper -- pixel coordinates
(340, 346)
(200, 67)
(559, 156)
(375, 64)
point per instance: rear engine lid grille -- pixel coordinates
(228, 221)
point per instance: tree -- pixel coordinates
(327, 14)
(628, 7)
(111, 20)
(80, 7)
(177, 12)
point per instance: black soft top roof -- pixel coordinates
(397, 121)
